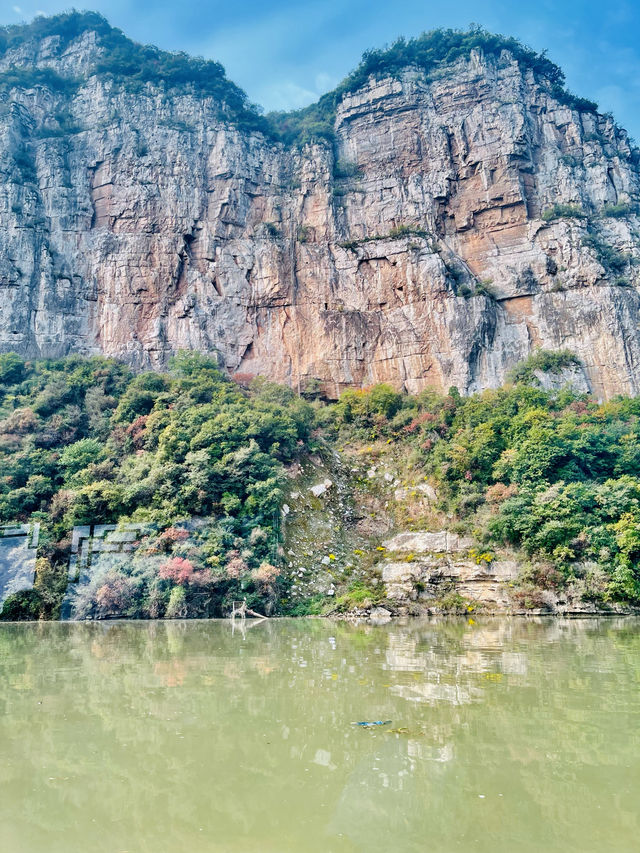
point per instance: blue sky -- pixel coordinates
(285, 54)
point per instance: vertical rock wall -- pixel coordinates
(136, 223)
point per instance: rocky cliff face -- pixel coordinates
(137, 223)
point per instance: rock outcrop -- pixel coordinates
(426, 566)
(429, 579)
(460, 222)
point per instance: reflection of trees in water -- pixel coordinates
(155, 730)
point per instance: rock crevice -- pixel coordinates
(435, 247)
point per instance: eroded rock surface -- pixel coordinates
(439, 563)
(138, 223)
(420, 541)
(430, 578)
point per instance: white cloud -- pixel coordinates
(285, 96)
(17, 10)
(258, 54)
(324, 82)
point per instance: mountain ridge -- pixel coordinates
(449, 223)
(426, 52)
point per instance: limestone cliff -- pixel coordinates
(460, 220)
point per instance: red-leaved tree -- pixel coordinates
(177, 569)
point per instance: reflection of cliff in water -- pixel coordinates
(186, 736)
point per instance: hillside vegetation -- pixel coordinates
(86, 441)
(553, 474)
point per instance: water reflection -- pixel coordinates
(170, 736)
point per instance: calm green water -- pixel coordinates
(167, 737)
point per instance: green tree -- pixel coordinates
(13, 369)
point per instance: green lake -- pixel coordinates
(184, 737)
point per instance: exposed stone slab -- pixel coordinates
(421, 490)
(572, 378)
(423, 541)
(93, 548)
(320, 488)
(18, 551)
(426, 578)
